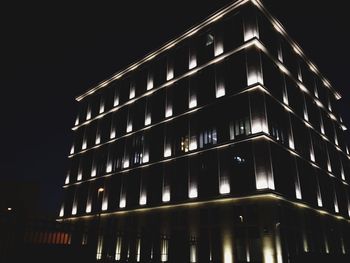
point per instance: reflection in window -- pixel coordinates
(240, 128)
(207, 137)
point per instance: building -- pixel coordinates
(224, 145)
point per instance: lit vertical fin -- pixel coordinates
(99, 247)
(72, 149)
(67, 178)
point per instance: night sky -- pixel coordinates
(50, 54)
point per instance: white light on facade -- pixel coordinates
(193, 253)
(93, 171)
(74, 209)
(143, 198)
(319, 198)
(291, 143)
(166, 194)
(79, 176)
(132, 92)
(72, 149)
(98, 139)
(220, 90)
(219, 47)
(336, 207)
(312, 154)
(99, 247)
(193, 143)
(170, 73)
(254, 77)
(347, 150)
(169, 111)
(118, 248)
(298, 190)
(104, 204)
(109, 167)
(102, 107)
(116, 101)
(129, 127)
(193, 102)
(285, 98)
(150, 83)
(192, 62)
(67, 179)
(167, 152)
(148, 119)
(76, 121)
(329, 167)
(164, 250)
(62, 211)
(122, 202)
(224, 187)
(342, 172)
(126, 164)
(322, 127)
(193, 191)
(88, 114)
(145, 157)
(250, 32)
(84, 145)
(112, 134)
(88, 207)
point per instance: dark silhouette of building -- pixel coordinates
(224, 145)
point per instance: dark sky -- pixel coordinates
(50, 54)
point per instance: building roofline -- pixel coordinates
(193, 30)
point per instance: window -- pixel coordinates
(99, 247)
(239, 128)
(118, 248)
(207, 137)
(164, 247)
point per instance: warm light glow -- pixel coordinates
(148, 119)
(100, 190)
(227, 248)
(268, 249)
(138, 249)
(193, 253)
(193, 102)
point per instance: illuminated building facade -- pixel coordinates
(225, 145)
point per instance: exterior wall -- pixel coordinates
(231, 111)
